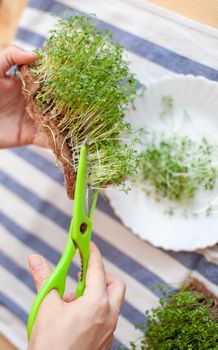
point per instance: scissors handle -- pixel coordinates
(56, 281)
(79, 238)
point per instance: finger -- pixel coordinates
(68, 298)
(14, 55)
(40, 270)
(116, 292)
(109, 343)
(95, 278)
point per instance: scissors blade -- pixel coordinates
(91, 195)
(88, 190)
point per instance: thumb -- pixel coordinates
(40, 270)
(14, 55)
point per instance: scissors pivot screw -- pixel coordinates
(83, 228)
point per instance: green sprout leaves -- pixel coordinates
(184, 320)
(177, 167)
(85, 87)
(167, 102)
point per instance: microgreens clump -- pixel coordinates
(85, 87)
(177, 167)
(185, 320)
(167, 102)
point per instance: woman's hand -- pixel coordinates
(87, 323)
(16, 127)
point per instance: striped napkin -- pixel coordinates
(34, 210)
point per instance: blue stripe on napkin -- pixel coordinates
(197, 262)
(35, 243)
(29, 37)
(13, 307)
(17, 271)
(41, 206)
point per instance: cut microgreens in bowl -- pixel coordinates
(176, 167)
(81, 87)
(167, 109)
(167, 103)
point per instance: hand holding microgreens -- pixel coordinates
(83, 87)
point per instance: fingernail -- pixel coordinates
(35, 262)
(31, 53)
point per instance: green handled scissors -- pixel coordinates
(79, 238)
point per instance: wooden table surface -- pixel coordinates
(10, 12)
(204, 11)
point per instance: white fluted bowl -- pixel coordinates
(198, 97)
